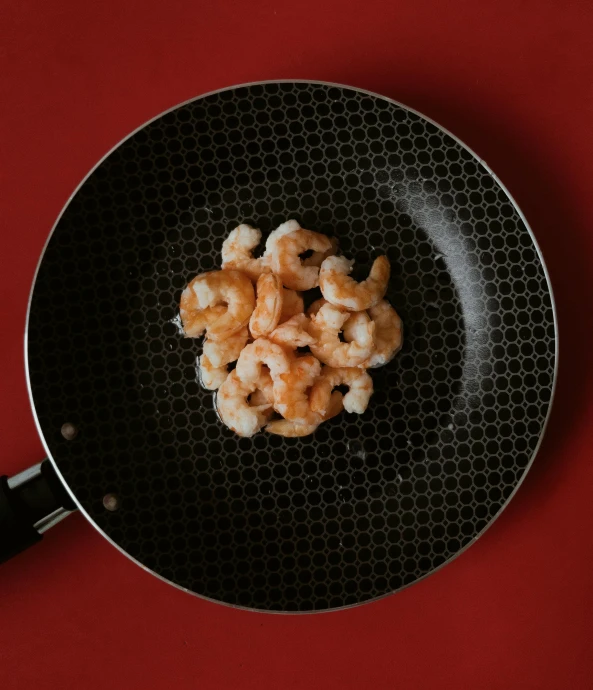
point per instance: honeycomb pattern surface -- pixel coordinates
(369, 503)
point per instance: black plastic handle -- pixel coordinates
(30, 502)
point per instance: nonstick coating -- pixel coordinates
(369, 503)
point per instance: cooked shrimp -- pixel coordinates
(357, 380)
(315, 306)
(388, 334)
(268, 306)
(338, 288)
(265, 391)
(225, 351)
(292, 304)
(283, 229)
(232, 403)
(258, 397)
(293, 333)
(286, 261)
(291, 390)
(285, 427)
(262, 352)
(212, 365)
(232, 288)
(317, 258)
(264, 395)
(194, 320)
(325, 327)
(237, 252)
(211, 377)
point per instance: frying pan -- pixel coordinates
(369, 503)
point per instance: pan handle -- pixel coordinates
(30, 503)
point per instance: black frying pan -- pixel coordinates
(369, 503)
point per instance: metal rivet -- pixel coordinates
(111, 502)
(69, 431)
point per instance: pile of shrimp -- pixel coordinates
(288, 360)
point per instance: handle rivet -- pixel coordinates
(111, 502)
(69, 431)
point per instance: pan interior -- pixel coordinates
(369, 503)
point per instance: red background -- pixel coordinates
(513, 80)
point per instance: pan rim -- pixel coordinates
(480, 162)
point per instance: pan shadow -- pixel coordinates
(532, 171)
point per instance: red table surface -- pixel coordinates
(514, 81)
